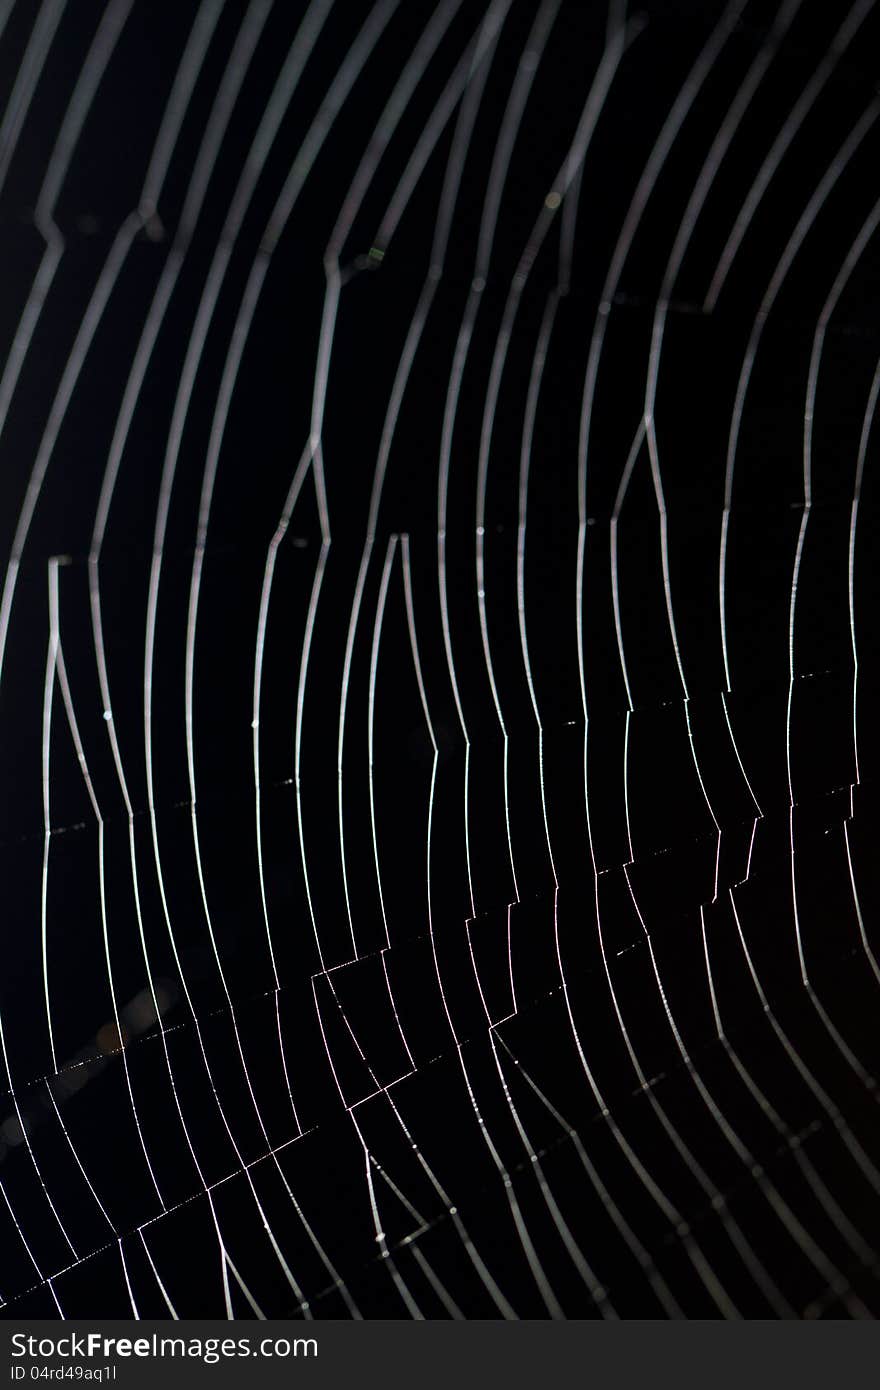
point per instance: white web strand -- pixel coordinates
(438, 112)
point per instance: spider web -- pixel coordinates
(436, 661)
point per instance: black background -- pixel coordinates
(821, 1093)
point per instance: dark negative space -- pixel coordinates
(437, 659)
